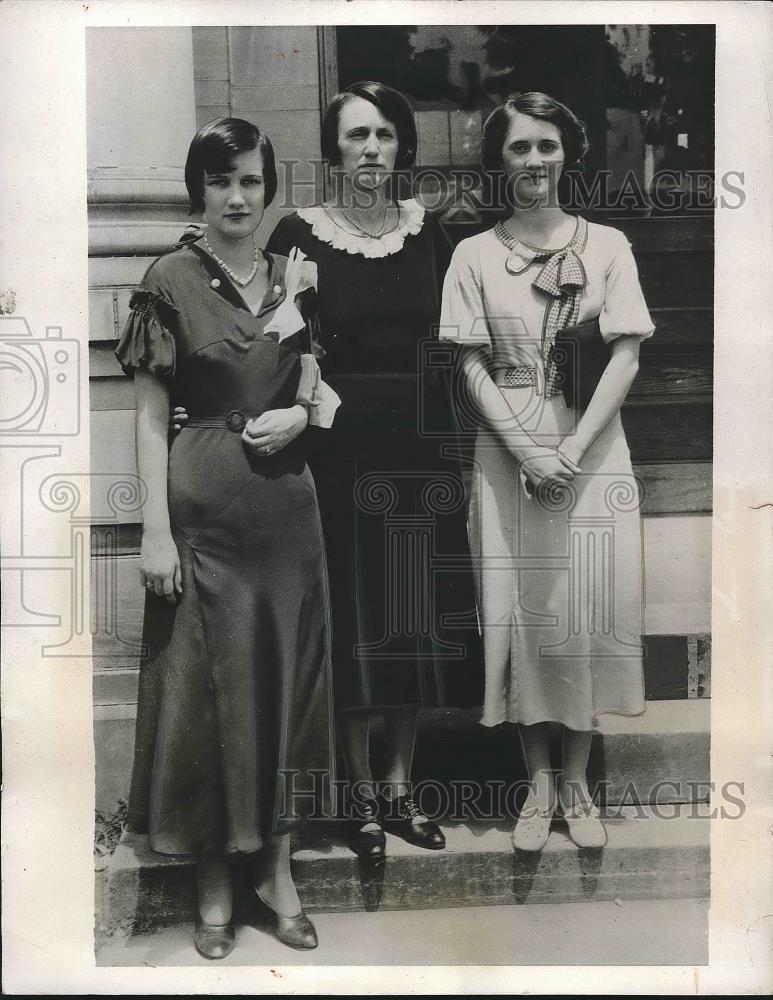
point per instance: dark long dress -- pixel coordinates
(235, 691)
(404, 625)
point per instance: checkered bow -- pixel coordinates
(562, 278)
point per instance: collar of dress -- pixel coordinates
(322, 226)
(563, 270)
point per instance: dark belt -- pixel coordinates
(235, 421)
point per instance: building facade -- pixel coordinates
(642, 91)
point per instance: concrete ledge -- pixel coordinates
(630, 757)
(645, 858)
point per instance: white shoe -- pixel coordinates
(532, 830)
(585, 826)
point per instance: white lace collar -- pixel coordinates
(323, 227)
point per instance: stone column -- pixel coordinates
(141, 117)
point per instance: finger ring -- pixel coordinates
(268, 449)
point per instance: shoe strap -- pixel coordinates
(365, 812)
(582, 810)
(529, 805)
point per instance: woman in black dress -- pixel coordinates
(235, 691)
(404, 635)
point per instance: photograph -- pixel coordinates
(351, 599)
(374, 529)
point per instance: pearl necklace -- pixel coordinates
(361, 229)
(231, 273)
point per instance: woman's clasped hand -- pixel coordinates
(549, 467)
(275, 429)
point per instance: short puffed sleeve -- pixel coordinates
(624, 312)
(147, 340)
(462, 316)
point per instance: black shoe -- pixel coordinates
(400, 815)
(298, 932)
(368, 845)
(214, 940)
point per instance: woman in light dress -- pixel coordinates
(554, 520)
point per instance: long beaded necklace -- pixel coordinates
(242, 282)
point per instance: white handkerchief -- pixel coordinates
(313, 392)
(300, 274)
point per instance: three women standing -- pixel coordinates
(237, 689)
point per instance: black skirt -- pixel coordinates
(405, 628)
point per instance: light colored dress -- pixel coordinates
(559, 580)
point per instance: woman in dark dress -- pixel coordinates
(404, 635)
(235, 691)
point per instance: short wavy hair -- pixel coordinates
(214, 149)
(574, 137)
(392, 105)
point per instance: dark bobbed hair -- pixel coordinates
(574, 138)
(214, 149)
(392, 105)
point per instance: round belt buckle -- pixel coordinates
(236, 421)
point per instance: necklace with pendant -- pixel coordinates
(229, 271)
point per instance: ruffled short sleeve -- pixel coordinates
(147, 340)
(624, 312)
(462, 316)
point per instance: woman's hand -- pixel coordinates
(177, 420)
(549, 467)
(570, 452)
(275, 429)
(160, 565)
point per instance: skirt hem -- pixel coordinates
(561, 722)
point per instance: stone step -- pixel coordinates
(649, 855)
(662, 755)
(630, 757)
